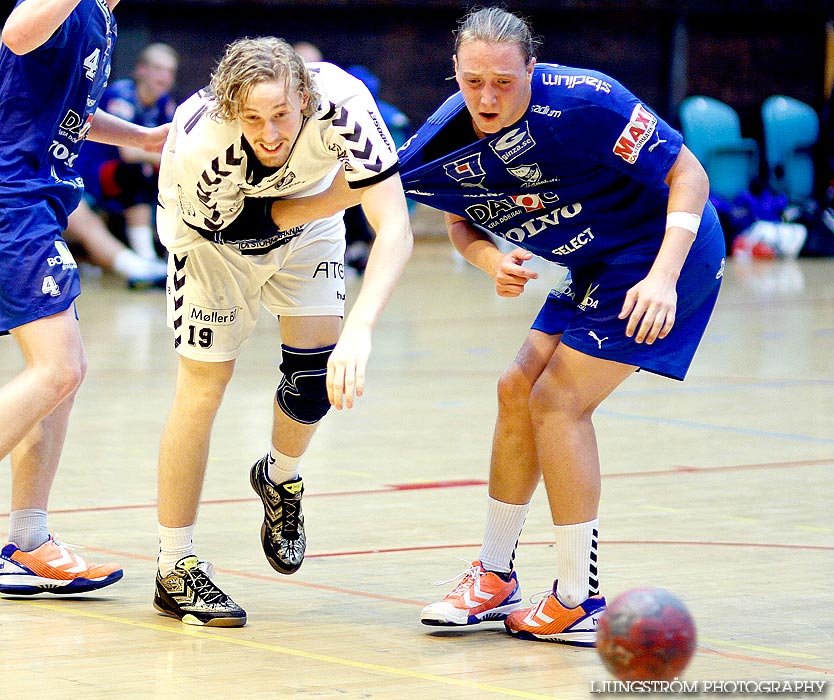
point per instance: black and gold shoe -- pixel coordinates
(189, 594)
(282, 531)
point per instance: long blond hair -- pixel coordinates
(248, 62)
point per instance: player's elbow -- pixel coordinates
(18, 39)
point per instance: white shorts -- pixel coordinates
(214, 293)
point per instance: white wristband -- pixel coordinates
(683, 219)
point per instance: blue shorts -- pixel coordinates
(38, 276)
(585, 310)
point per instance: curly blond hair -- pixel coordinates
(248, 62)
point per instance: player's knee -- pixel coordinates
(302, 393)
(59, 380)
(513, 389)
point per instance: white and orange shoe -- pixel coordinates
(51, 568)
(550, 621)
(481, 595)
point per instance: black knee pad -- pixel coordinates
(302, 393)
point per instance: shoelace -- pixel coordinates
(466, 577)
(67, 545)
(540, 596)
(200, 580)
(59, 543)
(290, 525)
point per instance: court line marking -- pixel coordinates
(462, 483)
(364, 594)
(753, 647)
(712, 426)
(768, 662)
(184, 630)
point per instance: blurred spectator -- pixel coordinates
(122, 182)
(359, 234)
(309, 52)
(398, 124)
(87, 231)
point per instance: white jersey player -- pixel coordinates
(269, 126)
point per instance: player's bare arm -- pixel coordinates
(505, 268)
(32, 23)
(385, 207)
(651, 304)
(116, 131)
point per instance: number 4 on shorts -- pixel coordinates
(50, 286)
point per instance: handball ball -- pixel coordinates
(646, 634)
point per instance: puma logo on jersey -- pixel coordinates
(598, 339)
(656, 143)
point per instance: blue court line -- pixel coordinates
(719, 428)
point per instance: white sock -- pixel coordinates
(281, 467)
(504, 522)
(576, 557)
(28, 528)
(130, 266)
(174, 544)
(141, 239)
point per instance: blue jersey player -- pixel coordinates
(54, 64)
(568, 165)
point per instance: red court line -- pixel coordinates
(429, 485)
(725, 468)
(391, 488)
(769, 662)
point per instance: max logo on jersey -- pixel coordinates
(512, 144)
(639, 130)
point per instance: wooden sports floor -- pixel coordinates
(718, 488)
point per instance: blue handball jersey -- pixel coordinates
(47, 101)
(578, 179)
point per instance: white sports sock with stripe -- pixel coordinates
(174, 544)
(504, 522)
(281, 467)
(576, 557)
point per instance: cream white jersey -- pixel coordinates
(207, 169)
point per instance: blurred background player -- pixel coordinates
(359, 234)
(55, 60)
(92, 241)
(121, 182)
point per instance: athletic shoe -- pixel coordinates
(550, 621)
(481, 595)
(51, 568)
(189, 594)
(282, 531)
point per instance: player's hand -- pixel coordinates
(511, 275)
(154, 139)
(346, 368)
(650, 308)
